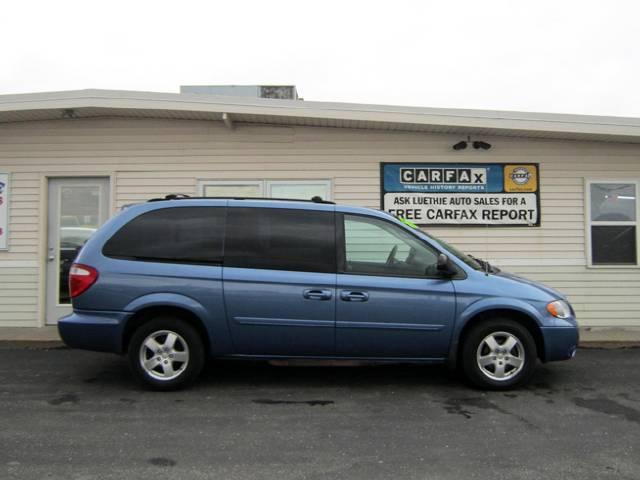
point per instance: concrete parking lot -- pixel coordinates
(77, 415)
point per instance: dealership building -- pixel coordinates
(551, 197)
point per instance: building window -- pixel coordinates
(612, 211)
(232, 189)
(294, 189)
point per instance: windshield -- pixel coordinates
(472, 262)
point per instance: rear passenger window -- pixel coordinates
(179, 234)
(280, 239)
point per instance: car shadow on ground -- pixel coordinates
(221, 375)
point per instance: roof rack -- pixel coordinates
(182, 196)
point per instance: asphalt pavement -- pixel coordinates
(69, 414)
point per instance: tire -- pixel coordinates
(498, 354)
(166, 353)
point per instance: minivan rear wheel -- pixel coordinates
(498, 354)
(166, 353)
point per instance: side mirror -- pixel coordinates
(444, 266)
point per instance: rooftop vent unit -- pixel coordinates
(281, 92)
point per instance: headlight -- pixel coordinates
(559, 309)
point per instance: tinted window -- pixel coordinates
(179, 234)
(613, 244)
(280, 239)
(377, 247)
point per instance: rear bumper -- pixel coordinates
(99, 331)
(560, 343)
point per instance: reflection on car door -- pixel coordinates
(391, 301)
(279, 280)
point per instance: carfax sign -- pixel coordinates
(4, 210)
(462, 193)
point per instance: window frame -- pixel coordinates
(265, 185)
(589, 223)
(341, 251)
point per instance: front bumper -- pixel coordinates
(99, 331)
(560, 343)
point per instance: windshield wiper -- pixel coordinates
(486, 266)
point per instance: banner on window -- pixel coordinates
(462, 194)
(4, 210)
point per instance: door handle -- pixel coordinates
(316, 294)
(349, 296)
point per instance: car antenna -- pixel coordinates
(486, 250)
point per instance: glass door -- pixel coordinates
(77, 207)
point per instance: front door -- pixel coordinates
(279, 280)
(391, 301)
(77, 207)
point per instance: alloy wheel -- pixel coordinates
(164, 355)
(500, 356)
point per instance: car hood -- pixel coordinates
(541, 286)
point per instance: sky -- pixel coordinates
(560, 56)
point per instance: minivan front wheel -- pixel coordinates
(498, 354)
(166, 353)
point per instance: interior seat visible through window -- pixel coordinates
(377, 247)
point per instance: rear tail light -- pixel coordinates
(81, 277)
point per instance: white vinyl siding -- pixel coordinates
(151, 157)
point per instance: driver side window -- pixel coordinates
(376, 247)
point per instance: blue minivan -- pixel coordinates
(175, 281)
